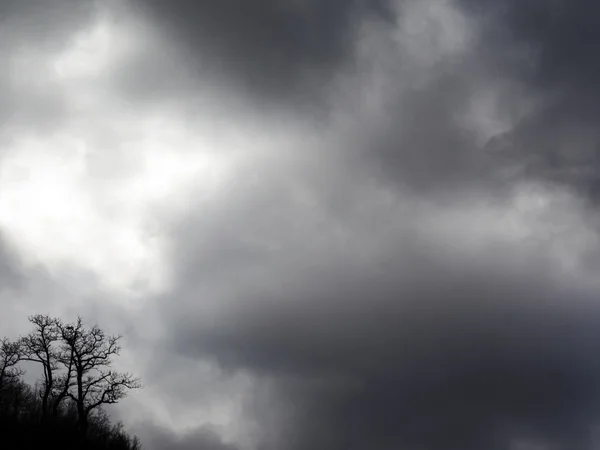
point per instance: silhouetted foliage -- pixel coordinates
(64, 410)
(40, 345)
(10, 356)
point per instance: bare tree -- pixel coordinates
(10, 356)
(40, 346)
(64, 381)
(91, 352)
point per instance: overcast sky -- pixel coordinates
(320, 224)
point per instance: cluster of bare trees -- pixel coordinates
(76, 362)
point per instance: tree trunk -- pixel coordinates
(81, 413)
(56, 404)
(46, 396)
(45, 407)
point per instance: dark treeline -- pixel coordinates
(64, 408)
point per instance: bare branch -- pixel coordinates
(40, 346)
(111, 388)
(89, 353)
(10, 355)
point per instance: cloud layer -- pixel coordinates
(320, 224)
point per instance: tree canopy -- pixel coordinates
(77, 379)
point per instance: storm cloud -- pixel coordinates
(320, 224)
(285, 49)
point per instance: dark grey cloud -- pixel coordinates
(542, 52)
(560, 144)
(424, 349)
(374, 332)
(285, 50)
(559, 140)
(562, 37)
(296, 55)
(423, 144)
(313, 58)
(291, 52)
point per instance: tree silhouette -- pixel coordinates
(65, 409)
(40, 346)
(91, 352)
(10, 356)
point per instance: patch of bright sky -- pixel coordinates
(57, 210)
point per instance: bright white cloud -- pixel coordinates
(84, 195)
